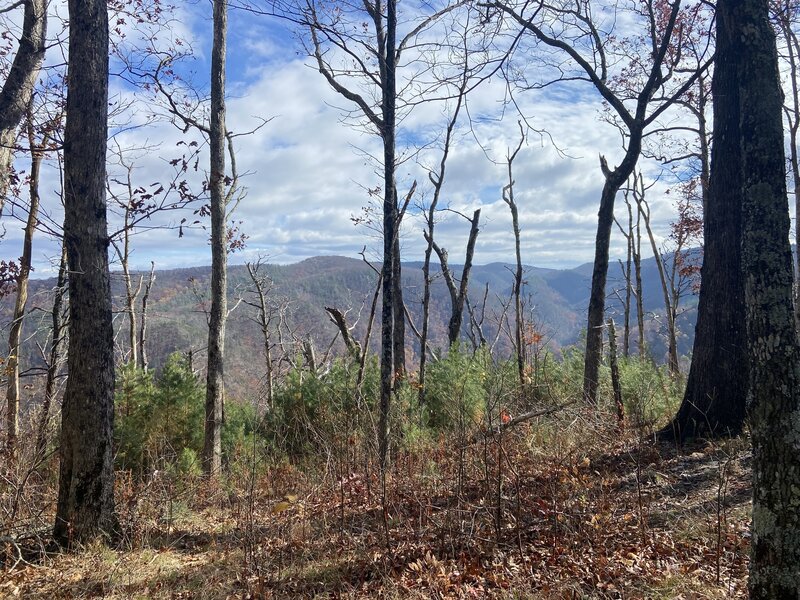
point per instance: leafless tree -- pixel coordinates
(575, 42)
(17, 90)
(85, 508)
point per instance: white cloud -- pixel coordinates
(307, 172)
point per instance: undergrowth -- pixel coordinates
(563, 504)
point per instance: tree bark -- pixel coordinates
(716, 389)
(18, 89)
(215, 380)
(85, 508)
(388, 67)
(772, 345)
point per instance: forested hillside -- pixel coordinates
(556, 299)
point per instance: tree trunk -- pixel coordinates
(516, 291)
(85, 508)
(458, 295)
(615, 381)
(716, 389)
(398, 309)
(143, 324)
(597, 297)
(454, 327)
(215, 381)
(426, 297)
(388, 107)
(54, 361)
(669, 311)
(638, 292)
(18, 88)
(264, 319)
(626, 332)
(772, 346)
(15, 333)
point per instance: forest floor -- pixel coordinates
(532, 514)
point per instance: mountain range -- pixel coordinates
(556, 301)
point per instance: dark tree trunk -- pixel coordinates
(215, 380)
(716, 389)
(398, 308)
(597, 297)
(774, 401)
(18, 87)
(454, 326)
(85, 508)
(388, 57)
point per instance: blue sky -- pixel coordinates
(307, 172)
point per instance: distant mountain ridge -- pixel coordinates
(176, 321)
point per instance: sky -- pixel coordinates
(306, 169)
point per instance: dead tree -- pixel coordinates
(143, 363)
(516, 291)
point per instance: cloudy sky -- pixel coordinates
(307, 171)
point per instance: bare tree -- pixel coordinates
(458, 294)
(670, 310)
(17, 90)
(15, 332)
(516, 291)
(262, 286)
(57, 338)
(85, 508)
(215, 380)
(636, 100)
(143, 324)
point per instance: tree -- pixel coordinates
(15, 333)
(772, 344)
(215, 381)
(516, 291)
(18, 88)
(85, 508)
(356, 48)
(637, 96)
(716, 390)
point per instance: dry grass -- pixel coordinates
(583, 513)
